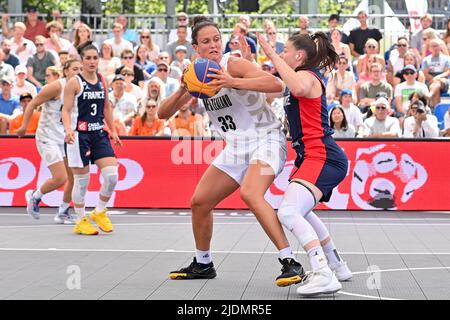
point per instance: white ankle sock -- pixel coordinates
(63, 206)
(80, 212)
(37, 194)
(101, 206)
(286, 253)
(317, 258)
(203, 257)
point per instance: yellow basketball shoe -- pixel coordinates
(102, 220)
(85, 227)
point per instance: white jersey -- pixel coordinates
(240, 113)
(50, 124)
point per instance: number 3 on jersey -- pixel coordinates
(227, 123)
(94, 109)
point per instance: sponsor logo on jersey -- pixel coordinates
(214, 104)
(82, 126)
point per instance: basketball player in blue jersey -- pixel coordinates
(321, 163)
(86, 108)
(254, 155)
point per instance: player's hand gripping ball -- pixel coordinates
(196, 78)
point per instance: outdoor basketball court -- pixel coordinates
(393, 256)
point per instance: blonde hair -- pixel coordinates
(54, 71)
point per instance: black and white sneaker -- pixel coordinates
(195, 271)
(291, 273)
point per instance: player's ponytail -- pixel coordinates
(319, 50)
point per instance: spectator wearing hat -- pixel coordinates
(20, 46)
(182, 20)
(180, 58)
(181, 41)
(21, 85)
(9, 104)
(404, 89)
(369, 90)
(174, 72)
(353, 115)
(35, 26)
(6, 70)
(117, 42)
(340, 125)
(124, 104)
(339, 79)
(381, 125)
(128, 59)
(162, 72)
(10, 58)
(17, 120)
(39, 62)
(420, 124)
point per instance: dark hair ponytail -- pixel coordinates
(199, 23)
(319, 50)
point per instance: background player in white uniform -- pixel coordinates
(50, 144)
(86, 109)
(254, 155)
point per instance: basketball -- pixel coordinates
(196, 78)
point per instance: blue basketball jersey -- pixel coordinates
(89, 105)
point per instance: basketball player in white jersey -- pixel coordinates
(254, 155)
(50, 144)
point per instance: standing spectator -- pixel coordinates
(148, 124)
(180, 60)
(55, 42)
(420, 124)
(186, 123)
(359, 36)
(38, 64)
(352, 113)
(108, 63)
(83, 35)
(153, 48)
(142, 60)
(382, 125)
(128, 60)
(10, 58)
(124, 104)
(21, 85)
(339, 80)
(303, 24)
(181, 41)
(9, 104)
(118, 43)
(272, 37)
(396, 60)
(162, 72)
(404, 89)
(130, 87)
(6, 70)
(182, 20)
(246, 21)
(20, 46)
(340, 47)
(333, 23)
(409, 58)
(35, 26)
(16, 121)
(369, 90)
(154, 89)
(128, 34)
(338, 122)
(417, 38)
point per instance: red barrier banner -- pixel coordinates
(390, 174)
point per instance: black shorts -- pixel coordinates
(88, 148)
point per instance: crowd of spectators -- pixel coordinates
(369, 94)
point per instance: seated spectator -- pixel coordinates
(21, 47)
(9, 104)
(339, 80)
(352, 113)
(437, 71)
(340, 47)
(409, 58)
(22, 85)
(127, 34)
(39, 62)
(124, 104)
(180, 58)
(369, 90)
(142, 60)
(182, 20)
(10, 58)
(272, 37)
(83, 35)
(148, 124)
(174, 72)
(420, 124)
(404, 89)
(107, 64)
(181, 41)
(242, 31)
(186, 123)
(128, 60)
(154, 89)
(153, 48)
(338, 122)
(430, 37)
(171, 84)
(130, 87)
(118, 43)
(365, 61)
(6, 70)
(17, 120)
(382, 125)
(55, 43)
(396, 60)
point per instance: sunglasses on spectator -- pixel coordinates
(271, 33)
(162, 70)
(380, 107)
(145, 37)
(150, 106)
(128, 58)
(409, 73)
(401, 45)
(39, 44)
(371, 47)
